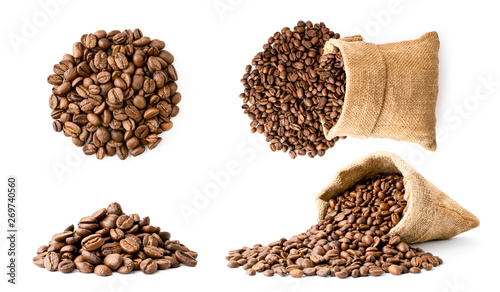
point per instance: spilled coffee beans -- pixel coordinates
(116, 93)
(353, 239)
(288, 94)
(110, 240)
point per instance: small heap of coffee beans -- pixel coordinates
(287, 94)
(353, 239)
(116, 93)
(110, 240)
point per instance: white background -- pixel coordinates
(269, 196)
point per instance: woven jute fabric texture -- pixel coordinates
(391, 89)
(430, 214)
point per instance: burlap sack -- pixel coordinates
(391, 89)
(430, 213)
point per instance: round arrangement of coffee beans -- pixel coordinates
(353, 239)
(116, 93)
(111, 241)
(290, 89)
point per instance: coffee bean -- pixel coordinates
(415, 270)
(72, 129)
(150, 113)
(39, 259)
(163, 264)
(395, 270)
(353, 239)
(114, 209)
(51, 261)
(92, 242)
(112, 247)
(84, 267)
(104, 84)
(129, 245)
(153, 145)
(90, 257)
(113, 241)
(89, 40)
(103, 271)
(185, 258)
(68, 248)
(89, 149)
(138, 150)
(124, 222)
(42, 249)
(61, 237)
(113, 261)
(342, 274)
(66, 266)
(296, 273)
(156, 253)
(115, 96)
(376, 271)
(122, 152)
(148, 266)
(126, 267)
(292, 88)
(57, 125)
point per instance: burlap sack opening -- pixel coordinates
(430, 214)
(391, 89)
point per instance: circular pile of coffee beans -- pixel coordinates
(115, 93)
(110, 240)
(287, 94)
(353, 239)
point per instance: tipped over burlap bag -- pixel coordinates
(391, 89)
(430, 214)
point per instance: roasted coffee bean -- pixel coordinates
(126, 267)
(66, 266)
(129, 245)
(89, 149)
(124, 222)
(296, 273)
(395, 269)
(414, 270)
(39, 259)
(51, 261)
(92, 242)
(148, 266)
(353, 239)
(114, 209)
(117, 234)
(104, 84)
(163, 264)
(84, 267)
(292, 92)
(110, 240)
(185, 258)
(111, 248)
(103, 271)
(42, 249)
(155, 252)
(61, 237)
(113, 261)
(376, 271)
(68, 248)
(72, 129)
(91, 257)
(138, 150)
